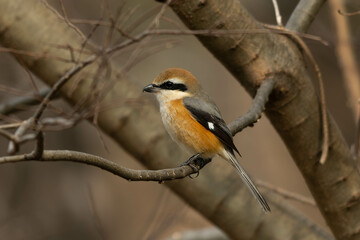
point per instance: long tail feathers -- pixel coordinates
(249, 183)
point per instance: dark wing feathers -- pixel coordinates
(205, 113)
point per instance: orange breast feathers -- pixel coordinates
(186, 131)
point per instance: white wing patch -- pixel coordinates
(211, 125)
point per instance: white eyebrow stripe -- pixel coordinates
(176, 80)
(211, 125)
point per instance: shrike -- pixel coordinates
(194, 121)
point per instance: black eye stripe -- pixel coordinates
(173, 86)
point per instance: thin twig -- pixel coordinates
(256, 109)
(16, 104)
(63, 18)
(32, 122)
(28, 72)
(13, 144)
(7, 135)
(33, 54)
(210, 233)
(11, 125)
(12, 91)
(348, 14)
(277, 13)
(60, 83)
(285, 193)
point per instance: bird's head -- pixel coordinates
(172, 84)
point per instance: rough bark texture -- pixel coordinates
(293, 108)
(218, 193)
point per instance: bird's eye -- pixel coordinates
(167, 85)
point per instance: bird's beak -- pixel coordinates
(150, 88)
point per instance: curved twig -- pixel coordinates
(257, 107)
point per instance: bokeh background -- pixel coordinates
(73, 201)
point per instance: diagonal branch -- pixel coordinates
(304, 14)
(257, 107)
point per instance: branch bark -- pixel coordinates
(218, 195)
(304, 14)
(293, 108)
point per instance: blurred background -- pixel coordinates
(73, 201)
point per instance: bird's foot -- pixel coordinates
(196, 163)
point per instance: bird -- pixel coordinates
(194, 122)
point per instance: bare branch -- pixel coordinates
(11, 125)
(350, 14)
(200, 234)
(6, 134)
(13, 145)
(257, 107)
(60, 83)
(303, 15)
(277, 13)
(63, 18)
(36, 55)
(126, 173)
(285, 193)
(16, 104)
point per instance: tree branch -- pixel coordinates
(257, 107)
(107, 165)
(304, 14)
(18, 103)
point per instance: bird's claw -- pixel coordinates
(196, 163)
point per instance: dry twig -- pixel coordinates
(277, 13)
(285, 193)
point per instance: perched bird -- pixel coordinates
(194, 121)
